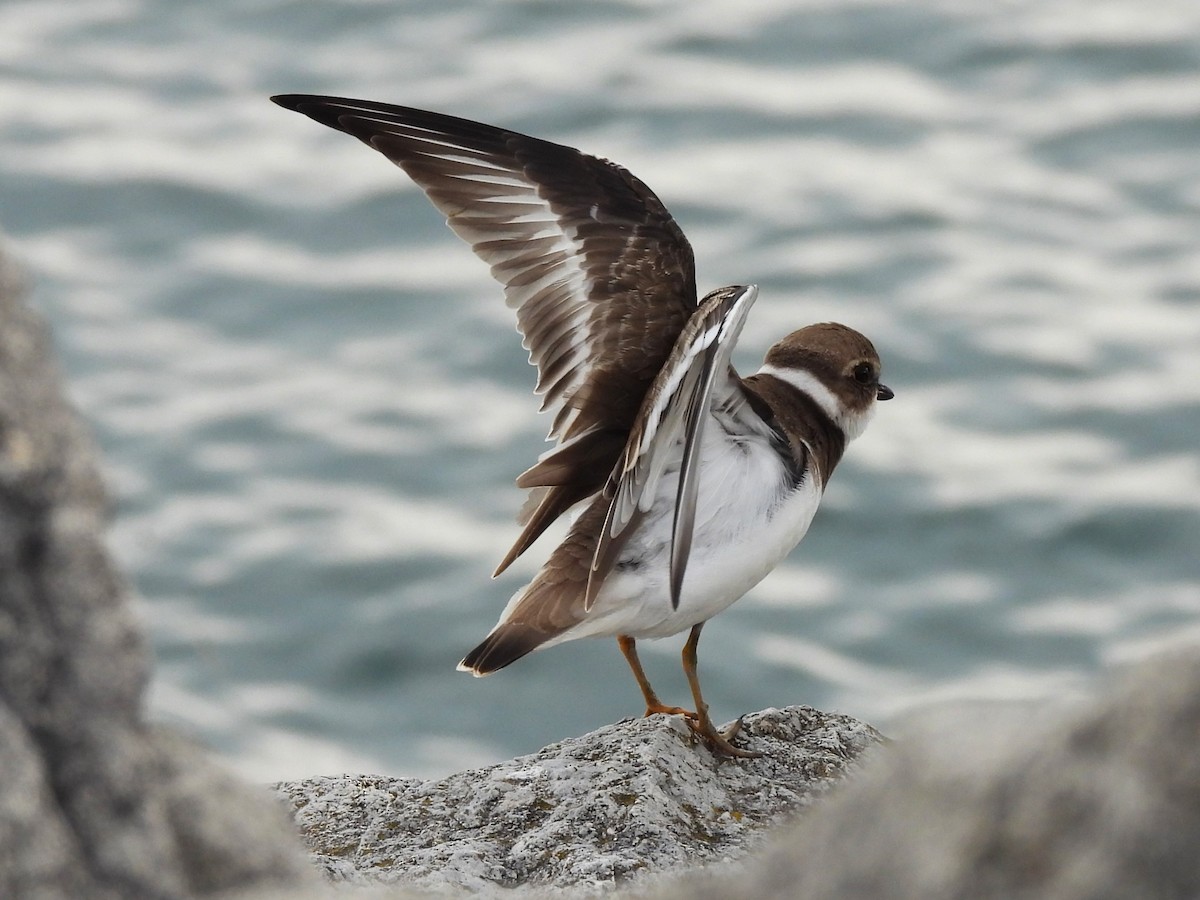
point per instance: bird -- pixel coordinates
(685, 483)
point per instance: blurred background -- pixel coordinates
(312, 402)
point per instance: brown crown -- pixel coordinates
(832, 353)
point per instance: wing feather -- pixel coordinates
(601, 276)
(674, 412)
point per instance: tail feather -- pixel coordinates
(548, 607)
(506, 644)
(551, 504)
(572, 471)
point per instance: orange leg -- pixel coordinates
(653, 704)
(717, 741)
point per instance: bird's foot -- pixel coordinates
(720, 742)
(653, 708)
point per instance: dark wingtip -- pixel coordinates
(311, 105)
(290, 101)
(676, 587)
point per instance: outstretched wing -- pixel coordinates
(600, 274)
(697, 376)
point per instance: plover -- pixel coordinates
(691, 483)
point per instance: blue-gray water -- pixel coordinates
(312, 402)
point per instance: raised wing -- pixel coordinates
(697, 375)
(600, 274)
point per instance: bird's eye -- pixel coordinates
(864, 373)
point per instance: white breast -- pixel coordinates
(749, 516)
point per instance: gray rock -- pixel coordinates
(1101, 801)
(630, 799)
(94, 803)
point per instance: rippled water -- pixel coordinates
(312, 401)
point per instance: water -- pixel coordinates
(312, 404)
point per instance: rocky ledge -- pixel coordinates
(634, 798)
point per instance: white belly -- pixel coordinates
(749, 516)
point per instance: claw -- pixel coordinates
(731, 732)
(720, 742)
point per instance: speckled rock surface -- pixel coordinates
(627, 800)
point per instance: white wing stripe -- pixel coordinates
(703, 341)
(588, 256)
(531, 251)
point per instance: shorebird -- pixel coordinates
(691, 482)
